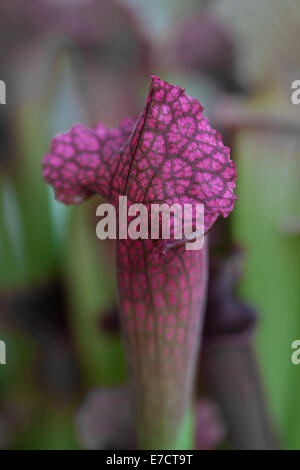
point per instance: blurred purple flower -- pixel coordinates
(204, 45)
(105, 421)
(227, 319)
(106, 44)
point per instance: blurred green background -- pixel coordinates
(89, 61)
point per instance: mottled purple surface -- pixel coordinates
(172, 155)
(82, 161)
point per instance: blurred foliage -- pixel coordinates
(269, 192)
(44, 243)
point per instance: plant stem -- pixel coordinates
(162, 326)
(231, 375)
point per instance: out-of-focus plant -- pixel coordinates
(203, 45)
(106, 421)
(228, 366)
(266, 35)
(265, 130)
